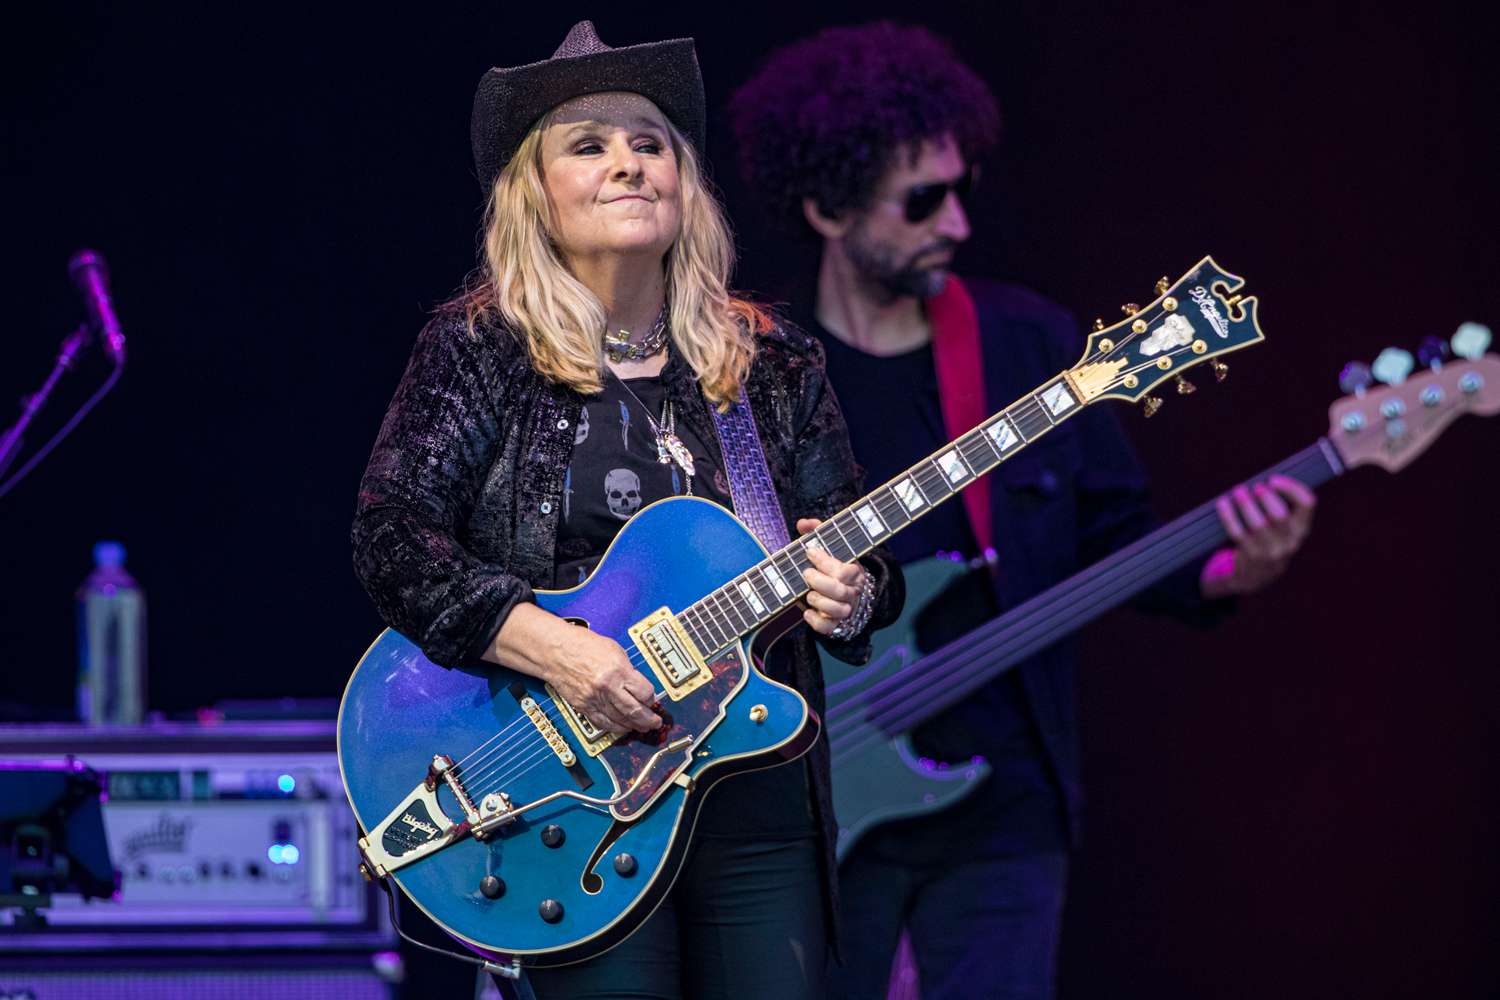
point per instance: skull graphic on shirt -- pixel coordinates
(622, 492)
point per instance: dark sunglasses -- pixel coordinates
(924, 200)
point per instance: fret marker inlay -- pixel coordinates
(1057, 397)
(776, 582)
(750, 595)
(953, 467)
(874, 527)
(909, 495)
(1002, 434)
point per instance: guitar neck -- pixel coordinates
(770, 587)
(947, 676)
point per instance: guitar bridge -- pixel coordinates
(672, 656)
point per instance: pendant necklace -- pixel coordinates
(669, 447)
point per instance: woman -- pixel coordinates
(574, 382)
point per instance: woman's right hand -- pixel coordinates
(594, 674)
(591, 671)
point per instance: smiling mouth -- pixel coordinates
(628, 197)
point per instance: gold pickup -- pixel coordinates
(672, 656)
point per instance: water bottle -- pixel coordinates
(111, 641)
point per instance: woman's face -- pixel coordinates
(611, 175)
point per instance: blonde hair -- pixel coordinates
(524, 279)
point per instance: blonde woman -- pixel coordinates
(569, 386)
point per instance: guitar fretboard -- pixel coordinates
(768, 588)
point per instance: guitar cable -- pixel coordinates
(511, 972)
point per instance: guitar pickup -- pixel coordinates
(672, 656)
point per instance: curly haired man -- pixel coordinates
(867, 140)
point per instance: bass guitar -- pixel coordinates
(528, 832)
(878, 777)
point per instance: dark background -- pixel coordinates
(1300, 804)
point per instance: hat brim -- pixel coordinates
(509, 101)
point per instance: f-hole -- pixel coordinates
(592, 882)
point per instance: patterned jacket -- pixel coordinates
(459, 505)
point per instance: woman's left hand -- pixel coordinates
(834, 586)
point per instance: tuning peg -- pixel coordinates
(1162, 284)
(1355, 378)
(1151, 405)
(1221, 370)
(1392, 366)
(1098, 324)
(1432, 352)
(1184, 387)
(1130, 309)
(1471, 340)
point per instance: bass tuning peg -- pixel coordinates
(1098, 324)
(1151, 405)
(1221, 370)
(1392, 366)
(1184, 387)
(1471, 340)
(1130, 309)
(1432, 352)
(1355, 378)
(1162, 284)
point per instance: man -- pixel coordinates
(866, 139)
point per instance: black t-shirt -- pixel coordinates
(895, 419)
(614, 472)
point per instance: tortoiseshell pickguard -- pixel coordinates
(692, 716)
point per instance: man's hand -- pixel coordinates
(1268, 523)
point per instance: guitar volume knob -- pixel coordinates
(625, 864)
(553, 835)
(550, 910)
(491, 887)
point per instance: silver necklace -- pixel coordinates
(669, 447)
(619, 348)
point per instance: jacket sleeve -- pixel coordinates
(439, 439)
(826, 480)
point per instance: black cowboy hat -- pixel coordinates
(509, 101)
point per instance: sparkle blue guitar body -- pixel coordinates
(568, 878)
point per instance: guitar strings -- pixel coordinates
(889, 711)
(495, 753)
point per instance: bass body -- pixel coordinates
(598, 832)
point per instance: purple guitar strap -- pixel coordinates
(750, 486)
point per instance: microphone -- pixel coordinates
(91, 275)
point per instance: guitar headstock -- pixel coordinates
(1391, 425)
(1197, 318)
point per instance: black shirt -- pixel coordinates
(895, 419)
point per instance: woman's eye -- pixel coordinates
(648, 146)
(587, 148)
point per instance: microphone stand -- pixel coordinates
(10, 442)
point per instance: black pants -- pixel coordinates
(983, 922)
(746, 920)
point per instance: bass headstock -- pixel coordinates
(1198, 318)
(1391, 425)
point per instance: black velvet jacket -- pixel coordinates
(459, 505)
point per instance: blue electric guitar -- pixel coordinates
(878, 777)
(528, 832)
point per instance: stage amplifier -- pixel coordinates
(234, 835)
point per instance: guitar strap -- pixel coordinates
(750, 487)
(960, 375)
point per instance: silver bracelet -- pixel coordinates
(859, 615)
